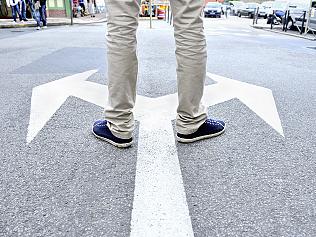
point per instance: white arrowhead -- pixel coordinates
(47, 98)
(259, 99)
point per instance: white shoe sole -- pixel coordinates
(184, 140)
(119, 145)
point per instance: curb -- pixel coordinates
(282, 32)
(19, 25)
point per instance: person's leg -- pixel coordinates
(93, 9)
(191, 59)
(30, 3)
(19, 12)
(35, 13)
(43, 14)
(23, 10)
(13, 13)
(122, 22)
(83, 7)
(37, 18)
(88, 7)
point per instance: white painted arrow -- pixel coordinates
(47, 98)
(259, 99)
(159, 207)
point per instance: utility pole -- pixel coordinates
(71, 12)
(309, 17)
(151, 14)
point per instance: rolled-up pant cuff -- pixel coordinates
(189, 128)
(119, 134)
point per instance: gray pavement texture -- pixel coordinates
(248, 182)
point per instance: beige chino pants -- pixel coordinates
(123, 65)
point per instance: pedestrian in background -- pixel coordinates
(36, 5)
(31, 6)
(23, 9)
(96, 10)
(14, 4)
(75, 8)
(192, 123)
(81, 4)
(43, 13)
(91, 7)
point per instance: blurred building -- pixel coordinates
(58, 8)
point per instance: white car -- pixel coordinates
(264, 9)
(297, 10)
(312, 23)
(236, 6)
(213, 9)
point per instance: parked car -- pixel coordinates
(296, 15)
(296, 12)
(235, 6)
(264, 9)
(213, 9)
(312, 23)
(248, 9)
(296, 9)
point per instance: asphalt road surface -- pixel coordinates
(251, 181)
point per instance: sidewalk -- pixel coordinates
(99, 18)
(262, 24)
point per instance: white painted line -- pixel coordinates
(160, 208)
(259, 99)
(47, 98)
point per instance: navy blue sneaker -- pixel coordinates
(100, 130)
(210, 128)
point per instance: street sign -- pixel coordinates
(159, 205)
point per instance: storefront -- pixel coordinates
(157, 6)
(58, 8)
